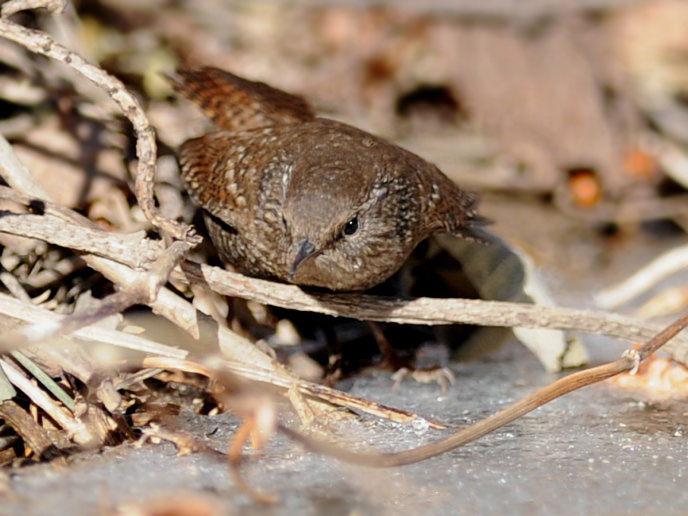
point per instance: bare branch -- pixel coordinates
(628, 362)
(645, 278)
(146, 147)
(315, 390)
(133, 249)
(16, 309)
(76, 429)
(14, 6)
(421, 310)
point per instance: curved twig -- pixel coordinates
(146, 148)
(644, 279)
(628, 362)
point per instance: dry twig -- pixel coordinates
(628, 362)
(146, 147)
(78, 238)
(409, 311)
(644, 279)
(314, 390)
(14, 6)
(75, 428)
(421, 310)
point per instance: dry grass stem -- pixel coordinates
(26, 312)
(75, 428)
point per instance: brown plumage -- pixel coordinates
(308, 200)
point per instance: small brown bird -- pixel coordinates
(308, 200)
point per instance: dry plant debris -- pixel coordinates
(78, 211)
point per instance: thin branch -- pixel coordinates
(333, 396)
(14, 6)
(133, 249)
(76, 429)
(39, 201)
(628, 362)
(428, 311)
(146, 148)
(644, 279)
(26, 312)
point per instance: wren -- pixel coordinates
(307, 200)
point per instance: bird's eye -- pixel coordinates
(351, 227)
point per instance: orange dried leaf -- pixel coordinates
(657, 378)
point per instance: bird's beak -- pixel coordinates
(307, 249)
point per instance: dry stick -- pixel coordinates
(333, 396)
(146, 147)
(628, 362)
(14, 6)
(15, 309)
(123, 248)
(76, 429)
(132, 249)
(420, 310)
(38, 200)
(171, 306)
(644, 278)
